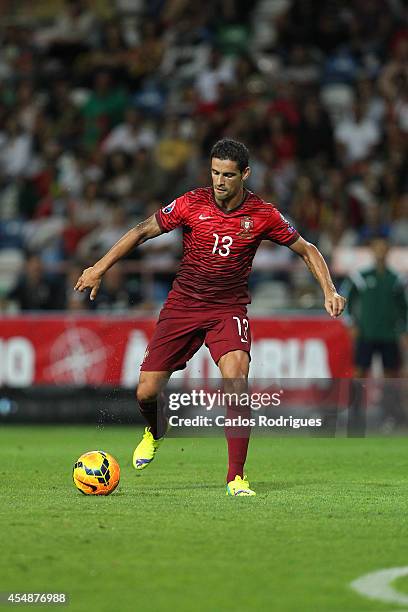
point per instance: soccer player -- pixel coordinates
(223, 226)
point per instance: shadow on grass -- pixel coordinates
(260, 486)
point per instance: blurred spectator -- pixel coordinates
(285, 103)
(35, 290)
(375, 224)
(110, 228)
(219, 70)
(163, 253)
(281, 139)
(103, 110)
(112, 53)
(114, 295)
(83, 216)
(129, 136)
(27, 106)
(395, 72)
(399, 227)
(400, 108)
(118, 173)
(15, 149)
(335, 233)
(374, 104)
(150, 53)
(71, 31)
(74, 300)
(148, 182)
(307, 208)
(315, 142)
(63, 116)
(302, 69)
(173, 150)
(357, 136)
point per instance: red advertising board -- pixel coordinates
(74, 350)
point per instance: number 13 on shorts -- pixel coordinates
(243, 327)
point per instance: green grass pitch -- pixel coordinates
(326, 512)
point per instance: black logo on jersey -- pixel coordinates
(247, 225)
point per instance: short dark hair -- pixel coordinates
(232, 150)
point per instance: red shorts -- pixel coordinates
(180, 333)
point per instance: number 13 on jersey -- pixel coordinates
(243, 326)
(224, 248)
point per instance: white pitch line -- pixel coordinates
(377, 585)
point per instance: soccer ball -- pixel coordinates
(96, 473)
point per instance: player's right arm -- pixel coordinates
(91, 278)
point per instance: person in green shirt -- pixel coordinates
(377, 306)
(103, 110)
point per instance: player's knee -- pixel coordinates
(235, 365)
(146, 392)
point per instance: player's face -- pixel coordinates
(227, 179)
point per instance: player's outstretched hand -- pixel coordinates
(89, 279)
(334, 304)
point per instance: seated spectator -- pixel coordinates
(281, 140)
(173, 150)
(112, 227)
(395, 71)
(130, 136)
(161, 255)
(307, 208)
(27, 106)
(341, 67)
(374, 226)
(335, 233)
(399, 227)
(373, 102)
(71, 31)
(63, 117)
(114, 295)
(83, 216)
(74, 300)
(148, 182)
(302, 68)
(103, 110)
(400, 108)
(113, 52)
(15, 149)
(219, 70)
(35, 290)
(118, 175)
(285, 104)
(357, 136)
(315, 142)
(148, 55)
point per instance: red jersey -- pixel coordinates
(219, 246)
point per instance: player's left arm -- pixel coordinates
(333, 302)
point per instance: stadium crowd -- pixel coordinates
(103, 118)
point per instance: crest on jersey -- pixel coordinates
(167, 209)
(247, 225)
